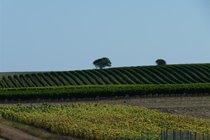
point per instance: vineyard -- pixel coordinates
(169, 74)
(101, 121)
(103, 91)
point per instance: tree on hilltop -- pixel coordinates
(160, 62)
(102, 62)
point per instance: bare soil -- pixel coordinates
(11, 130)
(198, 107)
(11, 133)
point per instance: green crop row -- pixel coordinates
(95, 91)
(169, 74)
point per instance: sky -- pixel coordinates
(58, 35)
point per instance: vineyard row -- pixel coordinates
(102, 91)
(171, 74)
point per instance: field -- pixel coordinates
(109, 103)
(103, 91)
(101, 121)
(197, 106)
(169, 74)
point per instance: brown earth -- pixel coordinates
(15, 134)
(198, 107)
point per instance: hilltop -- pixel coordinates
(168, 74)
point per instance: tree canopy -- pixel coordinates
(160, 62)
(102, 62)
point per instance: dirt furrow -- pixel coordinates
(15, 134)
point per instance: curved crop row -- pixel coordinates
(169, 74)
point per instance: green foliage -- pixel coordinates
(102, 62)
(168, 74)
(102, 121)
(72, 92)
(160, 62)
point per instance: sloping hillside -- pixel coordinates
(169, 74)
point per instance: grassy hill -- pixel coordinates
(169, 74)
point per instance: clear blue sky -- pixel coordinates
(42, 35)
